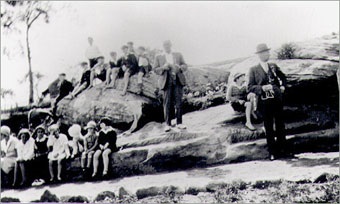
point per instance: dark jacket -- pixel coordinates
(258, 77)
(160, 60)
(109, 137)
(65, 89)
(130, 62)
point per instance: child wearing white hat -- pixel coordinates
(90, 144)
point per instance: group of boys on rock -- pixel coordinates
(264, 92)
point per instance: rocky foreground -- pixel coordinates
(310, 177)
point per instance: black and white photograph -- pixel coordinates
(169, 102)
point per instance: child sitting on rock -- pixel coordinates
(77, 139)
(90, 143)
(144, 67)
(107, 139)
(84, 81)
(59, 150)
(240, 100)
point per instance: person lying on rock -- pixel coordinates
(114, 72)
(171, 67)
(106, 144)
(240, 100)
(98, 71)
(84, 82)
(268, 82)
(129, 65)
(77, 140)
(58, 150)
(144, 67)
(90, 144)
(25, 155)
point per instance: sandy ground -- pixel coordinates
(305, 166)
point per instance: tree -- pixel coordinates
(14, 14)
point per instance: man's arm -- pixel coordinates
(182, 65)
(252, 86)
(158, 68)
(282, 76)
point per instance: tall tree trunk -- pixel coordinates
(30, 73)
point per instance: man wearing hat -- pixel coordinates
(171, 67)
(240, 100)
(268, 82)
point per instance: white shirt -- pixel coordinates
(6, 145)
(265, 66)
(92, 52)
(169, 58)
(60, 145)
(25, 151)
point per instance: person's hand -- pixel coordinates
(175, 68)
(282, 88)
(241, 101)
(124, 68)
(267, 87)
(166, 66)
(56, 155)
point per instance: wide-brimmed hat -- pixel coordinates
(105, 120)
(75, 131)
(238, 75)
(261, 48)
(53, 128)
(91, 124)
(24, 131)
(5, 130)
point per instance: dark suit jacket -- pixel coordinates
(131, 63)
(66, 88)
(158, 67)
(258, 77)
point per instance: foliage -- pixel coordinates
(287, 51)
(20, 16)
(6, 92)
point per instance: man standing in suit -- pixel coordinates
(170, 66)
(268, 82)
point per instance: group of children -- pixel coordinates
(129, 64)
(45, 148)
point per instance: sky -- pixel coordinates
(204, 32)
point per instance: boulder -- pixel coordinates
(98, 101)
(48, 197)
(106, 196)
(9, 200)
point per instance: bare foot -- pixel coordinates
(123, 93)
(250, 126)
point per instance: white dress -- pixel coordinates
(59, 146)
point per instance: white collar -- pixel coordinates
(42, 139)
(107, 130)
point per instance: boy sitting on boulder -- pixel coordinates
(98, 71)
(144, 67)
(240, 100)
(84, 81)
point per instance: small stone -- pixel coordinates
(106, 195)
(47, 196)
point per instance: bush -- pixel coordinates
(287, 51)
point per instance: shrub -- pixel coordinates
(287, 51)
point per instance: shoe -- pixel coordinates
(271, 157)
(167, 128)
(59, 178)
(250, 127)
(181, 127)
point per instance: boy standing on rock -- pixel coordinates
(269, 82)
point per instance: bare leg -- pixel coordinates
(23, 172)
(108, 77)
(140, 82)
(59, 168)
(15, 173)
(126, 82)
(83, 160)
(91, 79)
(248, 115)
(105, 155)
(50, 167)
(96, 162)
(114, 74)
(89, 159)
